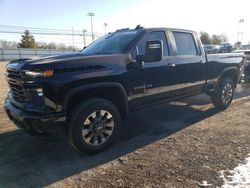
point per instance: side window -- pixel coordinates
(185, 43)
(157, 35)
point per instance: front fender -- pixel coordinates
(85, 88)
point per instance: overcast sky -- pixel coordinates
(212, 16)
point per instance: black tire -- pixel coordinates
(224, 94)
(104, 127)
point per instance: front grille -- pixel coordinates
(15, 81)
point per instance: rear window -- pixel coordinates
(185, 43)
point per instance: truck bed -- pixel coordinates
(225, 57)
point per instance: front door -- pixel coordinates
(155, 76)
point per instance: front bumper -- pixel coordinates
(33, 120)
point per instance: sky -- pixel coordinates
(212, 16)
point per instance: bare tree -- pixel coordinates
(8, 44)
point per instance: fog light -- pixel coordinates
(39, 92)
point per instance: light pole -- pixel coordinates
(105, 27)
(91, 14)
(241, 22)
(73, 39)
(83, 36)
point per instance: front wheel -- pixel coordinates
(224, 94)
(94, 125)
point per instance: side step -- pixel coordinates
(209, 89)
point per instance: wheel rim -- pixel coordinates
(227, 94)
(98, 127)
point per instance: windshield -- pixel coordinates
(112, 43)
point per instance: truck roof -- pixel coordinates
(170, 29)
(156, 29)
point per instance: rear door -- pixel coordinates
(189, 69)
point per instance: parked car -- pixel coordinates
(210, 48)
(91, 92)
(225, 47)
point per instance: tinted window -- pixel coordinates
(185, 43)
(112, 43)
(158, 35)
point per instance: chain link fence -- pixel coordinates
(67, 38)
(10, 54)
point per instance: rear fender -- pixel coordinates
(231, 72)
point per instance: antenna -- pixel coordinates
(138, 27)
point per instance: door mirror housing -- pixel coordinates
(153, 52)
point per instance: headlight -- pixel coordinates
(47, 73)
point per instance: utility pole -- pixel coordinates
(242, 28)
(84, 37)
(240, 32)
(73, 39)
(105, 27)
(91, 14)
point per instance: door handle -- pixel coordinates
(171, 64)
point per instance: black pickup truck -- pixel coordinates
(92, 91)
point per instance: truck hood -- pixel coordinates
(74, 61)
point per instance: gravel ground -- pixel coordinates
(170, 145)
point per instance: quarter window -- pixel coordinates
(185, 43)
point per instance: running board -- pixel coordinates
(209, 89)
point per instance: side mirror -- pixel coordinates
(153, 52)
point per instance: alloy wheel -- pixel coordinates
(227, 93)
(98, 127)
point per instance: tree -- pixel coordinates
(216, 39)
(205, 38)
(223, 38)
(51, 45)
(8, 44)
(42, 45)
(3, 43)
(61, 46)
(27, 41)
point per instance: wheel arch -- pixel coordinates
(112, 91)
(230, 72)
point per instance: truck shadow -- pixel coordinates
(242, 90)
(26, 161)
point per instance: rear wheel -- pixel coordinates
(94, 125)
(224, 94)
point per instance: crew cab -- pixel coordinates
(91, 92)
